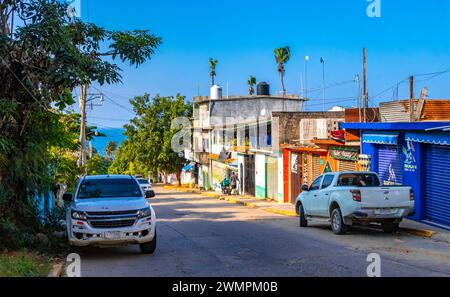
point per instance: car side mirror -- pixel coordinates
(67, 197)
(149, 194)
(305, 188)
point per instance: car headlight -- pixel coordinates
(143, 213)
(78, 215)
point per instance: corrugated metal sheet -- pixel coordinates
(390, 165)
(436, 110)
(398, 111)
(347, 165)
(352, 115)
(437, 199)
(395, 111)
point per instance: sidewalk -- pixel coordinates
(407, 226)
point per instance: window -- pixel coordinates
(142, 181)
(358, 180)
(265, 135)
(205, 145)
(196, 144)
(316, 184)
(327, 180)
(108, 188)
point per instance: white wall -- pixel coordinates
(260, 175)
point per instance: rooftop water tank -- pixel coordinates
(263, 89)
(216, 92)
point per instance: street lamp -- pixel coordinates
(323, 81)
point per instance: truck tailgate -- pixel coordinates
(385, 197)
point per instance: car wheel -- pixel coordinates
(148, 247)
(389, 226)
(337, 223)
(301, 213)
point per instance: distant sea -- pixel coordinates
(112, 134)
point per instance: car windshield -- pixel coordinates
(105, 188)
(358, 180)
(142, 181)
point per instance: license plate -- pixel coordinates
(383, 211)
(112, 235)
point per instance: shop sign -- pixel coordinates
(410, 164)
(294, 163)
(347, 154)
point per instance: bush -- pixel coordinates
(17, 234)
(13, 237)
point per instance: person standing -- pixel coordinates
(233, 183)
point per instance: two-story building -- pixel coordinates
(229, 132)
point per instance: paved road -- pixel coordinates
(201, 236)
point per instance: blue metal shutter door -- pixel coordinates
(390, 165)
(437, 185)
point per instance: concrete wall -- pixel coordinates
(280, 178)
(246, 108)
(260, 176)
(289, 123)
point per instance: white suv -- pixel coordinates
(111, 210)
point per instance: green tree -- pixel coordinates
(97, 165)
(282, 56)
(43, 60)
(251, 83)
(147, 149)
(110, 149)
(212, 69)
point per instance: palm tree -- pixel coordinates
(111, 147)
(282, 55)
(212, 67)
(251, 82)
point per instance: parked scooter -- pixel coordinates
(225, 185)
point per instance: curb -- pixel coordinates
(418, 232)
(56, 270)
(280, 211)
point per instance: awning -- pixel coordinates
(385, 137)
(442, 138)
(187, 167)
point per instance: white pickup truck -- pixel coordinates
(111, 210)
(345, 198)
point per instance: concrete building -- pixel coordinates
(234, 133)
(303, 159)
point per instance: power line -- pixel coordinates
(110, 119)
(115, 103)
(332, 85)
(103, 126)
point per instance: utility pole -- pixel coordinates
(84, 100)
(358, 84)
(364, 85)
(82, 158)
(411, 98)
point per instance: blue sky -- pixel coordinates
(411, 37)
